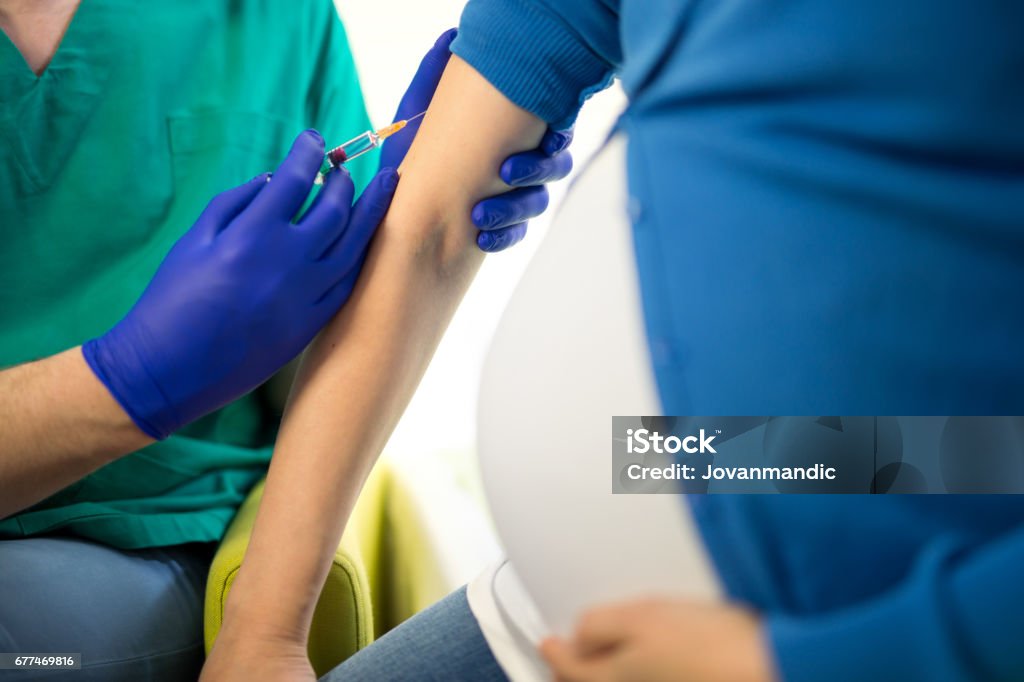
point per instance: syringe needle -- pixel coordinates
(361, 144)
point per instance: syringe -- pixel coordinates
(359, 145)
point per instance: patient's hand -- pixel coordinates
(662, 640)
(238, 657)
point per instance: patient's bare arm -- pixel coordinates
(357, 378)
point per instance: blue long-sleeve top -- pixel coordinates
(828, 213)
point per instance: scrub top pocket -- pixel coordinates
(214, 150)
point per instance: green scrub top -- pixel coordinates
(145, 113)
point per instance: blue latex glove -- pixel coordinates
(502, 220)
(241, 293)
(417, 98)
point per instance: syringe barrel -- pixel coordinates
(355, 147)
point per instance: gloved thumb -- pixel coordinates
(417, 98)
(366, 216)
(224, 207)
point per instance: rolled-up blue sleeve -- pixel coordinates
(546, 56)
(956, 618)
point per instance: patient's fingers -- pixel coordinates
(600, 630)
(568, 666)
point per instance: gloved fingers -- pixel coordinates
(366, 215)
(326, 218)
(499, 240)
(421, 89)
(290, 184)
(417, 98)
(224, 207)
(535, 168)
(338, 291)
(555, 141)
(510, 208)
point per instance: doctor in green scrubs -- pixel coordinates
(108, 153)
(119, 120)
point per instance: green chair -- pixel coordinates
(383, 572)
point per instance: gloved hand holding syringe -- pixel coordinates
(359, 145)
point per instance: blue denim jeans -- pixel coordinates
(132, 615)
(443, 643)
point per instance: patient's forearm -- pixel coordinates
(357, 378)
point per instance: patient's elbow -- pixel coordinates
(440, 245)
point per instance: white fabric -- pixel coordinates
(569, 353)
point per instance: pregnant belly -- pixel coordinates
(569, 353)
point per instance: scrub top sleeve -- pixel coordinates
(547, 56)
(957, 618)
(334, 101)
